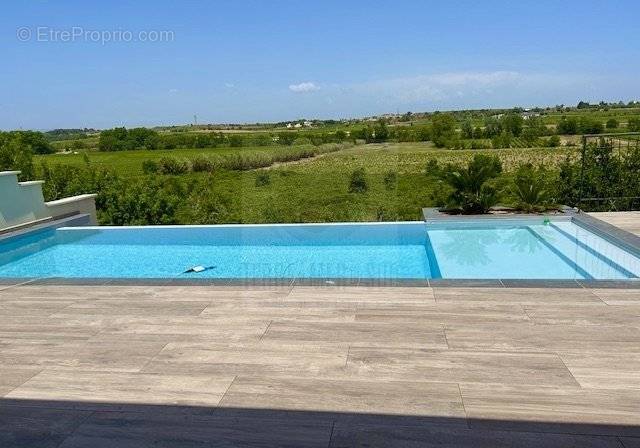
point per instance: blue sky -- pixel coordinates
(247, 61)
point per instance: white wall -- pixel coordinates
(22, 202)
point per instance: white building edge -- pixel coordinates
(22, 204)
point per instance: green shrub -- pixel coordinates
(358, 181)
(207, 207)
(262, 179)
(170, 165)
(202, 164)
(262, 140)
(552, 142)
(588, 125)
(567, 126)
(390, 180)
(634, 124)
(502, 140)
(286, 138)
(150, 167)
(300, 141)
(15, 155)
(479, 144)
(471, 193)
(612, 123)
(530, 188)
(137, 202)
(386, 214)
(236, 141)
(443, 128)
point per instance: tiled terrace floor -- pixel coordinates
(629, 221)
(122, 366)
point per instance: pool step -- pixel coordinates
(584, 256)
(599, 247)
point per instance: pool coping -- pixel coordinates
(434, 215)
(627, 240)
(74, 220)
(323, 282)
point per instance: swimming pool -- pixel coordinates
(529, 249)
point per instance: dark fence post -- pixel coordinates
(584, 153)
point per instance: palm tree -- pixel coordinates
(530, 189)
(471, 194)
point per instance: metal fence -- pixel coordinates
(610, 172)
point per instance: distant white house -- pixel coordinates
(298, 125)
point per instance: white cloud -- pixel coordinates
(172, 91)
(304, 87)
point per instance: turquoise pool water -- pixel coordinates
(559, 250)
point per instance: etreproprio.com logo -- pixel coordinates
(81, 34)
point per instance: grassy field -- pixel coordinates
(129, 163)
(377, 158)
(317, 189)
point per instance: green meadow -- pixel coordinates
(312, 189)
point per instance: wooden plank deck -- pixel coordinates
(195, 366)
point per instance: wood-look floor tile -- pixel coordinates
(264, 358)
(438, 436)
(604, 370)
(31, 308)
(364, 333)
(303, 311)
(521, 296)
(46, 330)
(345, 397)
(12, 377)
(442, 313)
(530, 337)
(137, 307)
(585, 315)
(595, 411)
(33, 427)
(362, 294)
(112, 353)
(618, 296)
(459, 366)
(192, 329)
(126, 429)
(32, 353)
(90, 390)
